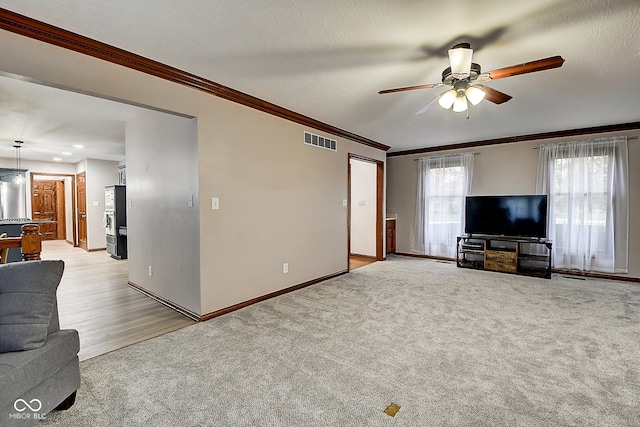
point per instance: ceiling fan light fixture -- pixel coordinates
(460, 59)
(447, 99)
(460, 104)
(475, 95)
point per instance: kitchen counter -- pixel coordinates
(20, 221)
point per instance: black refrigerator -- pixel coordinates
(115, 220)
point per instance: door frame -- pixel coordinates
(73, 198)
(82, 245)
(380, 255)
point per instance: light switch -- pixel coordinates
(190, 201)
(96, 204)
(344, 202)
(215, 203)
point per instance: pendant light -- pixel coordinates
(19, 178)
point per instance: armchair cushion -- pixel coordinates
(27, 299)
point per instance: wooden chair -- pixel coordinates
(30, 242)
(4, 252)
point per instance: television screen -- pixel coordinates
(514, 216)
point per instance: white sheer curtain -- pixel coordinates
(587, 184)
(443, 184)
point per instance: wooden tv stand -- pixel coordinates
(531, 257)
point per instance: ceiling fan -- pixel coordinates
(462, 73)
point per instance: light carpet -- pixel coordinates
(449, 346)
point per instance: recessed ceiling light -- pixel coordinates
(57, 159)
(78, 146)
(66, 153)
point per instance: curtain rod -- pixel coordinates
(441, 156)
(628, 139)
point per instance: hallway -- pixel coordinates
(94, 298)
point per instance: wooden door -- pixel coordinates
(82, 210)
(61, 211)
(44, 207)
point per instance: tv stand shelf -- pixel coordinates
(531, 257)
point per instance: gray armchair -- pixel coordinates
(39, 366)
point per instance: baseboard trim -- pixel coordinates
(201, 318)
(96, 249)
(235, 307)
(439, 258)
(596, 275)
(556, 271)
(373, 257)
(190, 314)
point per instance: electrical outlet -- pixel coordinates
(150, 271)
(285, 267)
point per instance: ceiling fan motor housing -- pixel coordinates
(449, 79)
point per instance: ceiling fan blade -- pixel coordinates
(527, 67)
(426, 107)
(493, 95)
(402, 89)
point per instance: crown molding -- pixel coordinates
(28, 27)
(522, 138)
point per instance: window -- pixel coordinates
(587, 186)
(443, 184)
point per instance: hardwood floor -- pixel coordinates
(94, 298)
(356, 261)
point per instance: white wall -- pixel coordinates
(37, 166)
(363, 207)
(99, 174)
(162, 229)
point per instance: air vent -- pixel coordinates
(320, 141)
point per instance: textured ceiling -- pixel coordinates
(328, 59)
(52, 121)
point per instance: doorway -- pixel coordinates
(53, 205)
(47, 207)
(365, 214)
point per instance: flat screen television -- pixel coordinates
(512, 216)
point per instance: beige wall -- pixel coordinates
(502, 169)
(280, 200)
